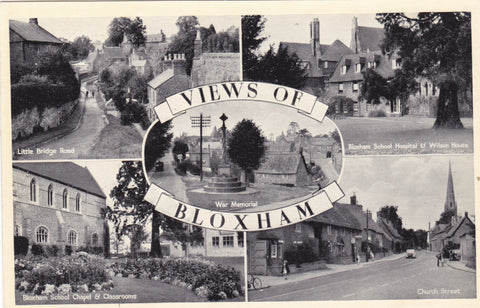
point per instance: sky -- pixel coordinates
(296, 28)
(416, 184)
(270, 118)
(96, 28)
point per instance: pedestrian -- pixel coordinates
(93, 93)
(86, 95)
(438, 259)
(358, 259)
(285, 269)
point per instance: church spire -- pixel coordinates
(450, 204)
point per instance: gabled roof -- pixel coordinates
(32, 32)
(458, 224)
(388, 228)
(158, 80)
(335, 51)
(360, 216)
(66, 173)
(370, 38)
(113, 52)
(154, 38)
(280, 163)
(439, 229)
(304, 53)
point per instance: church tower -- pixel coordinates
(450, 204)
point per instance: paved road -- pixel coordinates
(395, 279)
(168, 179)
(78, 143)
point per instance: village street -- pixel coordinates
(400, 278)
(78, 143)
(168, 179)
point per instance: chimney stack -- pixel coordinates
(353, 199)
(466, 214)
(33, 21)
(315, 37)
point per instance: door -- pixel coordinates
(257, 261)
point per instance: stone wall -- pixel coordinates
(29, 120)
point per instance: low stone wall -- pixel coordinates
(29, 120)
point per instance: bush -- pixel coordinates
(337, 105)
(134, 113)
(205, 278)
(377, 113)
(68, 250)
(37, 250)
(20, 245)
(301, 253)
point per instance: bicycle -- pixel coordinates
(254, 282)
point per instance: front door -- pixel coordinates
(257, 260)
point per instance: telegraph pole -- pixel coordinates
(200, 121)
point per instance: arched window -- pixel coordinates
(42, 235)
(77, 203)
(65, 199)
(33, 190)
(72, 237)
(50, 195)
(94, 239)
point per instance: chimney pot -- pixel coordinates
(466, 214)
(33, 21)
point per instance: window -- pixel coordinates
(325, 64)
(274, 250)
(50, 195)
(72, 237)
(329, 230)
(94, 239)
(33, 190)
(340, 88)
(65, 199)
(355, 86)
(228, 241)
(77, 203)
(358, 67)
(240, 239)
(42, 235)
(344, 69)
(426, 88)
(216, 241)
(396, 63)
(298, 228)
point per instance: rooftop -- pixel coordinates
(31, 31)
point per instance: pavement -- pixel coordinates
(269, 281)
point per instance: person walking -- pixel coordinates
(86, 95)
(285, 269)
(439, 257)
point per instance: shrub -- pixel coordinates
(338, 104)
(20, 245)
(52, 251)
(37, 250)
(301, 253)
(377, 113)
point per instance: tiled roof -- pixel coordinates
(32, 32)
(388, 228)
(66, 173)
(361, 217)
(457, 225)
(158, 80)
(304, 53)
(335, 51)
(383, 67)
(370, 38)
(337, 216)
(113, 52)
(280, 163)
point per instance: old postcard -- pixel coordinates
(218, 152)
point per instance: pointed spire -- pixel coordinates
(450, 204)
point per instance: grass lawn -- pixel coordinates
(137, 290)
(117, 141)
(361, 134)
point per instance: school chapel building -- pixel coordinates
(58, 203)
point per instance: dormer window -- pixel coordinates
(344, 69)
(325, 64)
(358, 68)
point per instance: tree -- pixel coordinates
(436, 46)
(80, 47)
(252, 27)
(446, 217)
(157, 144)
(184, 41)
(180, 147)
(373, 87)
(246, 147)
(120, 27)
(130, 208)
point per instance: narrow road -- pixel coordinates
(168, 179)
(78, 143)
(418, 278)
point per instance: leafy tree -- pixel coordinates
(225, 41)
(373, 87)
(180, 147)
(246, 147)
(336, 136)
(80, 47)
(120, 27)
(252, 27)
(184, 41)
(130, 208)
(437, 46)
(157, 144)
(137, 236)
(446, 217)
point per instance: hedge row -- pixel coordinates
(41, 94)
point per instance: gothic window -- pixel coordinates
(72, 238)
(50, 195)
(42, 235)
(65, 199)
(33, 190)
(94, 239)
(77, 203)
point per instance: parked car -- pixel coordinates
(411, 254)
(454, 255)
(159, 166)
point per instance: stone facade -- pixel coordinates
(66, 215)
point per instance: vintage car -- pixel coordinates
(454, 255)
(411, 253)
(159, 166)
